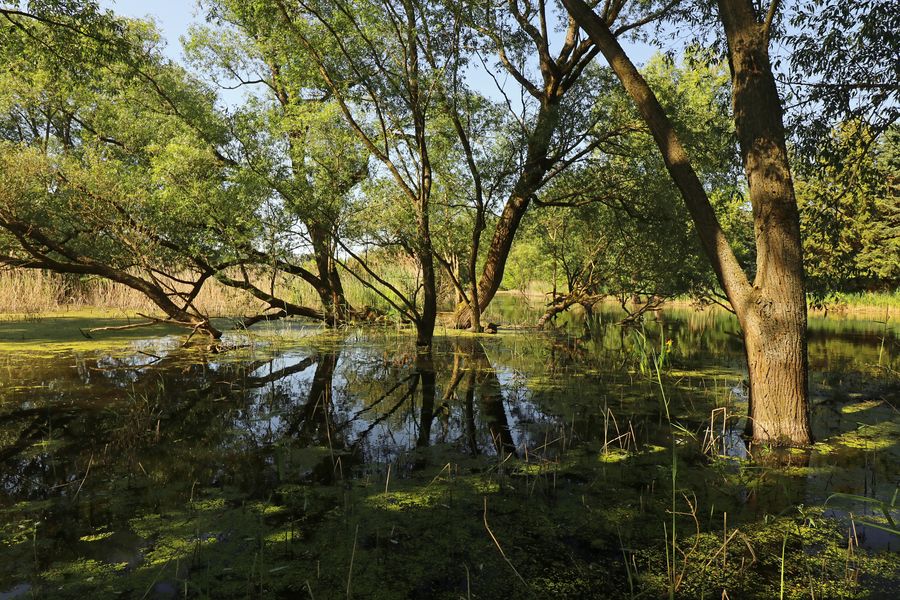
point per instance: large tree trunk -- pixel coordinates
(771, 311)
(775, 340)
(774, 319)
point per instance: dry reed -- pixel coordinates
(35, 292)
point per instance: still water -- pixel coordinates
(588, 461)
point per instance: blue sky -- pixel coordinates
(172, 17)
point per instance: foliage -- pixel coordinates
(294, 182)
(850, 214)
(616, 226)
(108, 170)
(843, 65)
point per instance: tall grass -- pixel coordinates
(400, 271)
(35, 292)
(30, 291)
(865, 299)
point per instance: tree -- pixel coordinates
(771, 309)
(844, 63)
(513, 35)
(850, 213)
(369, 55)
(553, 128)
(103, 91)
(292, 136)
(96, 182)
(622, 230)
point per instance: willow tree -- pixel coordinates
(290, 132)
(771, 307)
(368, 56)
(545, 100)
(121, 167)
(623, 231)
(99, 178)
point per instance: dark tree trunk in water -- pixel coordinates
(490, 400)
(330, 289)
(777, 365)
(425, 324)
(428, 378)
(771, 310)
(312, 421)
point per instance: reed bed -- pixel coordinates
(33, 292)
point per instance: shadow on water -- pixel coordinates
(517, 465)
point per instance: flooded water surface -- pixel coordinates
(589, 461)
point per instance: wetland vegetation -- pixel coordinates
(595, 460)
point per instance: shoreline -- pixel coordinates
(835, 310)
(536, 301)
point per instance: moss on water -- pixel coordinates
(880, 436)
(47, 334)
(613, 456)
(433, 523)
(861, 406)
(96, 537)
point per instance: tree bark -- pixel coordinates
(774, 321)
(771, 311)
(528, 183)
(330, 288)
(426, 321)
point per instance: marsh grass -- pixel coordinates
(34, 292)
(865, 299)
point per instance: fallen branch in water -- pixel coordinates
(148, 323)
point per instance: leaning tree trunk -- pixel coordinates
(771, 311)
(529, 182)
(177, 314)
